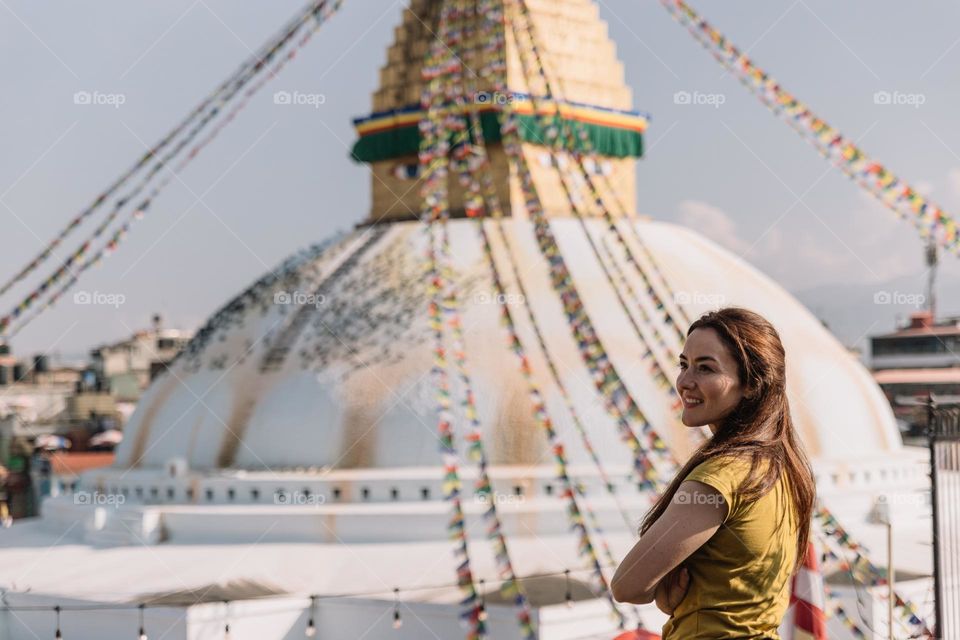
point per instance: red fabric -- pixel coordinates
(638, 634)
(806, 616)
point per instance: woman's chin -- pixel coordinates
(691, 421)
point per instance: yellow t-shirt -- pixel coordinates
(740, 578)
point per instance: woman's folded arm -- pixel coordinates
(691, 519)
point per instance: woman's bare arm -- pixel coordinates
(692, 517)
(672, 589)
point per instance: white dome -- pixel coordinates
(327, 362)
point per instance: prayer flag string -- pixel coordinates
(73, 266)
(896, 194)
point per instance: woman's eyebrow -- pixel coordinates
(683, 357)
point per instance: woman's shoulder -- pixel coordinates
(724, 473)
(723, 464)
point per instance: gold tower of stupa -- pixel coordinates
(586, 81)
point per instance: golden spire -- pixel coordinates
(581, 65)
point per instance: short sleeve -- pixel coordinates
(725, 474)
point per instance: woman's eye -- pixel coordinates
(683, 365)
(706, 369)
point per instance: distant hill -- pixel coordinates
(854, 312)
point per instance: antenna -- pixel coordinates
(932, 260)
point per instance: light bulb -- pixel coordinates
(397, 622)
(482, 609)
(143, 635)
(311, 629)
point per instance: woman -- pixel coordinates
(719, 547)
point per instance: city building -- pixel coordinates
(128, 366)
(918, 359)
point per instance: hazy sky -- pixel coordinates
(279, 177)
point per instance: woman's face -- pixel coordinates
(709, 383)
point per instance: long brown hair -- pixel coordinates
(759, 428)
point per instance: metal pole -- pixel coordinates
(937, 577)
(889, 576)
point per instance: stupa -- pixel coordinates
(286, 468)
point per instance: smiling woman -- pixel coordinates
(717, 550)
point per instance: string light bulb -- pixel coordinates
(143, 633)
(397, 622)
(482, 608)
(226, 625)
(311, 627)
(58, 635)
(568, 596)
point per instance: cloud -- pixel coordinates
(712, 222)
(953, 179)
(859, 243)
